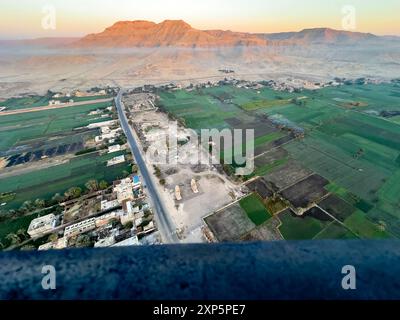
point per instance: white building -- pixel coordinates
(42, 225)
(116, 160)
(129, 212)
(80, 227)
(106, 205)
(105, 130)
(102, 124)
(106, 242)
(133, 241)
(59, 244)
(54, 102)
(124, 190)
(111, 135)
(95, 112)
(114, 148)
(149, 227)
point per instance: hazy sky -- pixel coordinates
(23, 18)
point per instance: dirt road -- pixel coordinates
(60, 106)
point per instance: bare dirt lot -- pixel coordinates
(230, 224)
(303, 193)
(286, 176)
(260, 186)
(266, 232)
(215, 190)
(337, 207)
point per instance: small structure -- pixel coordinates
(193, 184)
(54, 102)
(149, 227)
(102, 124)
(136, 182)
(42, 225)
(133, 241)
(107, 218)
(178, 193)
(106, 242)
(59, 244)
(105, 130)
(114, 148)
(129, 212)
(95, 112)
(110, 135)
(116, 160)
(124, 190)
(107, 205)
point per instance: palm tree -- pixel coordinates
(92, 185)
(53, 237)
(39, 203)
(103, 185)
(73, 193)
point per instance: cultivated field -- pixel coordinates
(46, 152)
(346, 136)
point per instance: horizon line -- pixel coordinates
(256, 33)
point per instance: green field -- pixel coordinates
(26, 102)
(267, 168)
(262, 104)
(268, 138)
(255, 209)
(349, 139)
(300, 228)
(364, 228)
(211, 107)
(198, 110)
(19, 129)
(40, 101)
(335, 231)
(47, 128)
(13, 225)
(57, 179)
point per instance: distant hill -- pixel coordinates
(322, 36)
(178, 33)
(167, 33)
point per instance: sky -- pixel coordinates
(21, 19)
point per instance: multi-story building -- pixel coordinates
(42, 225)
(80, 227)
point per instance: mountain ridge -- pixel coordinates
(141, 33)
(178, 33)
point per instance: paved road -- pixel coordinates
(52, 107)
(165, 226)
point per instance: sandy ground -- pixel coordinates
(38, 71)
(215, 189)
